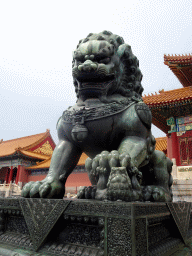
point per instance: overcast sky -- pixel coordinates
(37, 38)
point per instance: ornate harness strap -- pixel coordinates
(78, 117)
(89, 114)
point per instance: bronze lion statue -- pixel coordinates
(112, 125)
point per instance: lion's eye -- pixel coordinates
(105, 61)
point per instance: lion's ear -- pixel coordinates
(124, 49)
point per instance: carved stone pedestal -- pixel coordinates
(92, 228)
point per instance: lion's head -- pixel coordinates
(104, 65)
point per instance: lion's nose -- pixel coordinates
(88, 65)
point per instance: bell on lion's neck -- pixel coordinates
(79, 133)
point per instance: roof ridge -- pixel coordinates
(45, 135)
(165, 92)
(176, 54)
(39, 164)
(184, 88)
(4, 141)
(23, 150)
(40, 156)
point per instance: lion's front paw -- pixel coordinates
(47, 188)
(111, 159)
(156, 194)
(87, 192)
(117, 177)
(161, 195)
(147, 193)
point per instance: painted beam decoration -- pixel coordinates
(180, 124)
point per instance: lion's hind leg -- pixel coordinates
(161, 168)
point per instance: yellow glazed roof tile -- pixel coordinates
(164, 97)
(178, 58)
(45, 164)
(10, 146)
(34, 154)
(161, 143)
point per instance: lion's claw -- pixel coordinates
(34, 192)
(47, 188)
(124, 159)
(156, 194)
(26, 189)
(87, 192)
(147, 193)
(44, 189)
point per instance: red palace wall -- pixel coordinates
(23, 174)
(186, 134)
(36, 177)
(185, 148)
(174, 147)
(3, 173)
(74, 180)
(78, 179)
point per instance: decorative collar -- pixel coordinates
(84, 114)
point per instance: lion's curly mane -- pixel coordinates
(129, 76)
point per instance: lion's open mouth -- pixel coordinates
(96, 83)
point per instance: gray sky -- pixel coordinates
(37, 38)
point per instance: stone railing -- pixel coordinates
(11, 189)
(182, 183)
(184, 172)
(181, 172)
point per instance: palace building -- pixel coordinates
(28, 159)
(18, 154)
(172, 111)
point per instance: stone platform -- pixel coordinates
(92, 228)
